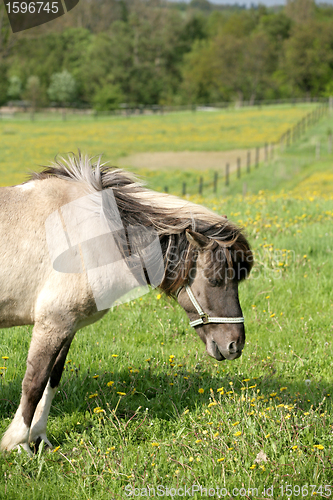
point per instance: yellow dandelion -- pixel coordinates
(238, 433)
(115, 355)
(98, 409)
(220, 459)
(198, 441)
(109, 384)
(294, 447)
(56, 449)
(319, 446)
(201, 390)
(121, 393)
(158, 296)
(93, 395)
(5, 357)
(155, 445)
(191, 459)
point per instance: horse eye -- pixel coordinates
(213, 282)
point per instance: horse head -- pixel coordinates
(210, 296)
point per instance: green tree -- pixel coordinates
(62, 88)
(14, 88)
(33, 92)
(301, 11)
(3, 83)
(108, 97)
(308, 58)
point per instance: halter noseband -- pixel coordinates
(204, 318)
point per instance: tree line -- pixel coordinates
(108, 52)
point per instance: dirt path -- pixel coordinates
(200, 160)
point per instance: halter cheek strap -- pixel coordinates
(204, 318)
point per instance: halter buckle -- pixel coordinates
(205, 318)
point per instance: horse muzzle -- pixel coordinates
(221, 348)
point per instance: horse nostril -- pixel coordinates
(232, 347)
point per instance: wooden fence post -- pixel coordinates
(330, 143)
(257, 156)
(166, 189)
(248, 165)
(215, 182)
(272, 150)
(318, 150)
(200, 185)
(238, 168)
(227, 174)
(281, 141)
(288, 137)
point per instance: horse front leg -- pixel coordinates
(39, 421)
(46, 344)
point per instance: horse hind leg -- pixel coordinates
(39, 421)
(43, 352)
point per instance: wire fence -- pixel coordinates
(263, 154)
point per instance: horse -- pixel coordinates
(204, 257)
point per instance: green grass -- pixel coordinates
(168, 431)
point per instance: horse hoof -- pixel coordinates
(42, 441)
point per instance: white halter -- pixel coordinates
(204, 318)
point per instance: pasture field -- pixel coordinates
(142, 406)
(25, 145)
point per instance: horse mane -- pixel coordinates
(168, 215)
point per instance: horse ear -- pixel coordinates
(196, 239)
(225, 216)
